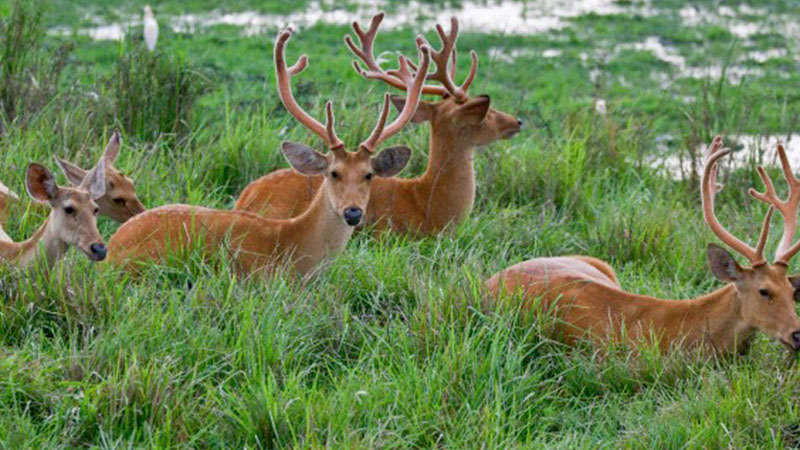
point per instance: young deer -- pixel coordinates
(302, 242)
(71, 221)
(589, 302)
(445, 194)
(120, 202)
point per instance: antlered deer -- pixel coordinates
(71, 221)
(445, 194)
(589, 302)
(324, 228)
(120, 202)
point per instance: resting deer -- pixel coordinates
(257, 243)
(445, 194)
(120, 202)
(589, 302)
(71, 221)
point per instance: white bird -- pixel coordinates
(600, 106)
(150, 28)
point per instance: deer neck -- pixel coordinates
(320, 231)
(449, 180)
(44, 243)
(714, 320)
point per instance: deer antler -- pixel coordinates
(755, 256)
(413, 86)
(399, 79)
(442, 57)
(284, 76)
(787, 208)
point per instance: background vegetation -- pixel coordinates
(390, 346)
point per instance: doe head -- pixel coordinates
(120, 201)
(73, 215)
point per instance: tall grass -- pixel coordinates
(393, 344)
(30, 72)
(154, 92)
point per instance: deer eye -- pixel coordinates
(119, 201)
(764, 293)
(69, 210)
(368, 176)
(334, 175)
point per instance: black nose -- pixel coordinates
(352, 216)
(519, 122)
(98, 251)
(796, 340)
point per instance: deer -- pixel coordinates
(120, 202)
(258, 245)
(587, 301)
(445, 194)
(72, 220)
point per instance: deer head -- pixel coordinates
(766, 295)
(119, 202)
(348, 174)
(73, 209)
(458, 117)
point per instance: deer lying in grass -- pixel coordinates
(120, 202)
(71, 221)
(589, 302)
(445, 194)
(256, 243)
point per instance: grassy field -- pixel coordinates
(390, 345)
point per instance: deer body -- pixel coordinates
(254, 244)
(588, 302)
(445, 193)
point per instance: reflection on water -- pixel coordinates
(492, 17)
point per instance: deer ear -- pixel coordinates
(390, 161)
(95, 181)
(74, 174)
(305, 159)
(424, 110)
(40, 183)
(475, 110)
(723, 266)
(112, 148)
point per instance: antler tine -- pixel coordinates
(372, 141)
(373, 70)
(283, 76)
(708, 192)
(447, 54)
(787, 208)
(413, 94)
(762, 239)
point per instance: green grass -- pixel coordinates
(391, 345)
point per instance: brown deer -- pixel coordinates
(120, 202)
(588, 302)
(445, 193)
(72, 220)
(258, 244)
